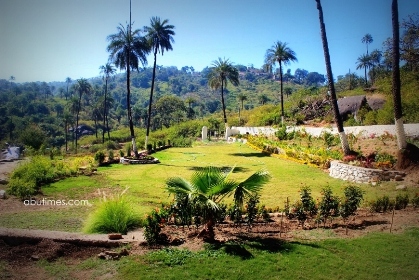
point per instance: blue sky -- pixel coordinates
(49, 40)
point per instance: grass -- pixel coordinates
(375, 256)
(147, 183)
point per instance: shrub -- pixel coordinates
(100, 157)
(235, 214)
(113, 215)
(402, 200)
(282, 133)
(153, 224)
(252, 209)
(110, 155)
(329, 205)
(309, 206)
(415, 201)
(352, 199)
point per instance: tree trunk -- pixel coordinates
(282, 94)
(77, 119)
(207, 233)
(338, 118)
(104, 111)
(131, 125)
(151, 99)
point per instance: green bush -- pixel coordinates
(100, 157)
(113, 215)
(153, 224)
(352, 199)
(402, 200)
(381, 204)
(329, 205)
(415, 201)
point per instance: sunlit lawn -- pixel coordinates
(146, 183)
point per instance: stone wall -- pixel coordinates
(358, 174)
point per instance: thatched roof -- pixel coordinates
(351, 104)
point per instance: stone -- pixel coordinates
(3, 181)
(35, 258)
(2, 194)
(398, 178)
(401, 187)
(114, 236)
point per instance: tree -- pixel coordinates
(409, 47)
(338, 118)
(68, 119)
(160, 38)
(263, 98)
(220, 73)
(207, 188)
(190, 100)
(127, 48)
(282, 54)
(83, 87)
(68, 82)
(367, 39)
(396, 85)
(364, 61)
(107, 71)
(375, 56)
(242, 97)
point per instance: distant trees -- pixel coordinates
(68, 82)
(107, 71)
(127, 48)
(280, 53)
(223, 71)
(82, 87)
(364, 61)
(159, 38)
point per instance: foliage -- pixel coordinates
(100, 157)
(401, 202)
(113, 215)
(353, 196)
(252, 209)
(328, 205)
(415, 201)
(152, 228)
(309, 206)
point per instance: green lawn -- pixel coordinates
(375, 256)
(146, 183)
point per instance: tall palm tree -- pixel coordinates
(280, 53)
(338, 118)
(242, 97)
(207, 188)
(190, 100)
(397, 99)
(68, 119)
(127, 48)
(220, 73)
(160, 38)
(367, 39)
(364, 61)
(107, 71)
(68, 81)
(83, 87)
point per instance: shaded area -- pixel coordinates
(260, 154)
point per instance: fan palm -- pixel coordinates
(127, 48)
(160, 38)
(68, 81)
(83, 87)
(209, 185)
(220, 73)
(338, 119)
(107, 71)
(282, 54)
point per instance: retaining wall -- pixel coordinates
(358, 174)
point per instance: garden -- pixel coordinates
(260, 210)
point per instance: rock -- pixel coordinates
(3, 181)
(398, 178)
(35, 258)
(401, 187)
(114, 236)
(2, 194)
(101, 255)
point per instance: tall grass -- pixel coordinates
(113, 215)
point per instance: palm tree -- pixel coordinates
(126, 49)
(397, 99)
(220, 73)
(68, 81)
(207, 188)
(364, 61)
(190, 100)
(338, 118)
(242, 97)
(263, 98)
(83, 87)
(376, 56)
(160, 38)
(282, 54)
(367, 39)
(68, 119)
(107, 71)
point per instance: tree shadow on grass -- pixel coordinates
(273, 245)
(259, 154)
(224, 168)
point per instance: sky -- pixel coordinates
(49, 40)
